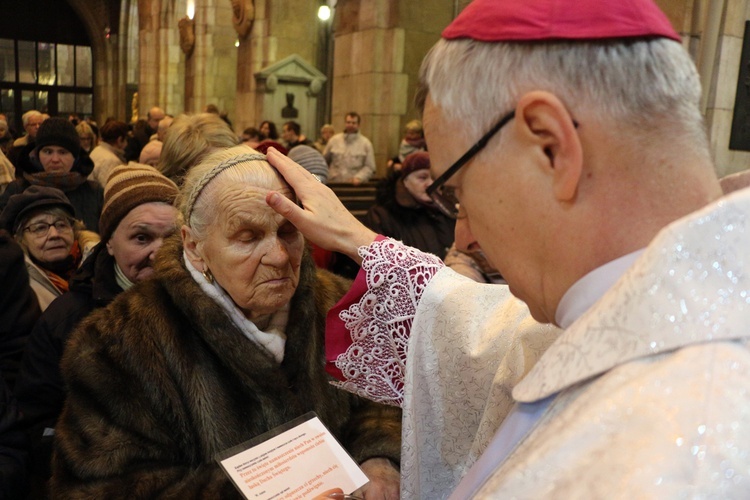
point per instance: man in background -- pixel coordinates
(349, 154)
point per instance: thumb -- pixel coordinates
(285, 207)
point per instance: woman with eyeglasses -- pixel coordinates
(42, 221)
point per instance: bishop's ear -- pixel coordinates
(551, 129)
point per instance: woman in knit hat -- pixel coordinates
(56, 159)
(42, 221)
(404, 211)
(137, 216)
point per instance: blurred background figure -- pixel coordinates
(139, 135)
(89, 139)
(326, 132)
(42, 221)
(268, 130)
(413, 142)
(110, 152)
(161, 130)
(55, 159)
(251, 137)
(151, 153)
(138, 215)
(6, 139)
(404, 211)
(311, 160)
(189, 139)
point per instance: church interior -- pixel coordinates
(119, 58)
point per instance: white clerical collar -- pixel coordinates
(591, 287)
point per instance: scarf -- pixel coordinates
(59, 273)
(121, 279)
(273, 340)
(64, 181)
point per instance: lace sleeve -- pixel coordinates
(380, 322)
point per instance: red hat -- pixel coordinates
(415, 161)
(536, 20)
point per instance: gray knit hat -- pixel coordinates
(311, 160)
(129, 186)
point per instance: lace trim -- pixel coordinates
(380, 323)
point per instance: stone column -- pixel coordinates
(148, 54)
(368, 74)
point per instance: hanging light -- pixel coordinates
(191, 9)
(324, 13)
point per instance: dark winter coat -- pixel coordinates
(19, 308)
(87, 199)
(419, 226)
(40, 390)
(13, 448)
(161, 380)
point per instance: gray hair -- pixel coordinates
(636, 83)
(239, 164)
(28, 115)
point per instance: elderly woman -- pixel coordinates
(88, 138)
(42, 221)
(224, 343)
(138, 215)
(189, 140)
(56, 159)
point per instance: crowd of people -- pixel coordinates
(550, 303)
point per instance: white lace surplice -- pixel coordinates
(468, 345)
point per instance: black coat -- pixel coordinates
(420, 227)
(40, 390)
(13, 449)
(19, 308)
(87, 198)
(161, 380)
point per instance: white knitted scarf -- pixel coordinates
(272, 340)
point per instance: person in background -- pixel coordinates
(6, 139)
(189, 139)
(139, 135)
(311, 160)
(268, 130)
(221, 345)
(19, 306)
(404, 211)
(42, 221)
(31, 121)
(349, 154)
(326, 132)
(251, 137)
(151, 153)
(413, 142)
(110, 152)
(153, 117)
(161, 130)
(7, 172)
(138, 216)
(56, 159)
(291, 134)
(88, 138)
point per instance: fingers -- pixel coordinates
(295, 175)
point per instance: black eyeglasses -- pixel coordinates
(444, 197)
(41, 229)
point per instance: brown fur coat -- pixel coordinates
(161, 380)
